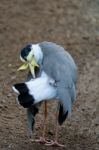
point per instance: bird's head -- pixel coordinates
(31, 56)
(25, 53)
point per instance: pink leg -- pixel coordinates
(55, 141)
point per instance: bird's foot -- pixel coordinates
(41, 140)
(54, 143)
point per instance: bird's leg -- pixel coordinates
(42, 138)
(45, 122)
(55, 141)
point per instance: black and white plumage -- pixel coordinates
(35, 90)
(60, 74)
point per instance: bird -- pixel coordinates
(53, 67)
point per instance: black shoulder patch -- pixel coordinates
(21, 88)
(62, 116)
(26, 100)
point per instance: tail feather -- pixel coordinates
(62, 116)
(65, 104)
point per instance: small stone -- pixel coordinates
(13, 77)
(9, 95)
(9, 65)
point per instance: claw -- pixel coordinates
(54, 143)
(41, 140)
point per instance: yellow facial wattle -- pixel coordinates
(29, 64)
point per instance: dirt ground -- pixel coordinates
(73, 24)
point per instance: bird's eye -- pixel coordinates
(27, 51)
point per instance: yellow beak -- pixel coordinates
(30, 64)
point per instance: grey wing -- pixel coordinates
(57, 59)
(66, 88)
(67, 96)
(60, 66)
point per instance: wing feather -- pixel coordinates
(60, 66)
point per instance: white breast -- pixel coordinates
(41, 89)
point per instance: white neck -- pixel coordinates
(38, 54)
